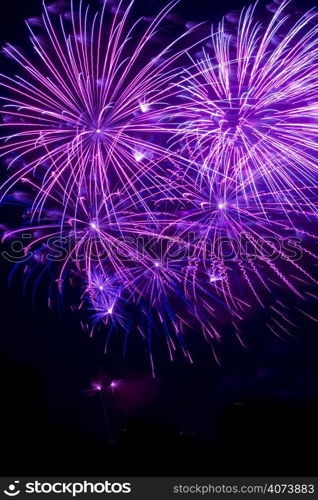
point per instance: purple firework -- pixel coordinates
(173, 200)
(91, 103)
(250, 103)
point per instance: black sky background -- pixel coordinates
(257, 414)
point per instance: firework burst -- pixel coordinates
(92, 103)
(173, 200)
(250, 103)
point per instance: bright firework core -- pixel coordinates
(230, 120)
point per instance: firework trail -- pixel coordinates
(225, 229)
(173, 200)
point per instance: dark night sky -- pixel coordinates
(254, 415)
